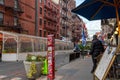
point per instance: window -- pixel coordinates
(44, 33)
(15, 21)
(49, 4)
(40, 33)
(40, 1)
(44, 22)
(40, 10)
(40, 22)
(44, 1)
(49, 13)
(49, 23)
(15, 4)
(1, 1)
(1, 18)
(48, 33)
(45, 12)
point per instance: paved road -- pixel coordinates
(12, 71)
(78, 69)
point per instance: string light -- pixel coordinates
(117, 29)
(116, 32)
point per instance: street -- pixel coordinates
(78, 69)
(12, 70)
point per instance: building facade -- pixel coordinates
(49, 18)
(20, 16)
(63, 18)
(69, 22)
(108, 27)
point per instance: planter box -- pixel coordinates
(38, 68)
(9, 57)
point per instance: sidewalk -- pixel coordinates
(76, 70)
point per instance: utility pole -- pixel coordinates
(36, 17)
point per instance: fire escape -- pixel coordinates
(64, 18)
(14, 9)
(49, 16)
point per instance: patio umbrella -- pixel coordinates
(99, 9)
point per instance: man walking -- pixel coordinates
(96, 49)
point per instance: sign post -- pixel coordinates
(51, 57)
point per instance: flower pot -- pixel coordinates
(38, 68)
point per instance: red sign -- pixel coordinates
(50, 57)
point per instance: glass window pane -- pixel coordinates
(1, 2)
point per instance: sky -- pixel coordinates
(92, 26)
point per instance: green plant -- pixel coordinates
(36, 58)
(82, 48)
(33, 68)
(4, 51)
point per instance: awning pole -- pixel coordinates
(117, 20)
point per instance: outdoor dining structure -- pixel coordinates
(15, 47)
(97, 10)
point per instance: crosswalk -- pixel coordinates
(5, 77)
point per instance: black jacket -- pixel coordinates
(96, 47)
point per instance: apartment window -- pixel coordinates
(49, 23)
(15, 21)
(40, 22)
(1, 1)
(15, 4)
(44, 33)
(1, 18)
(44, 22)
(48, 33)
(49, 4)
(49, 13)
(40, 1)
(40, 33)
(44, 1)
(45, 12)
(40, 10)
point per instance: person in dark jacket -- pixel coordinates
(96, 49)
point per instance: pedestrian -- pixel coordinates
(96, 50)
(76, 47)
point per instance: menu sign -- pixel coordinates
(50, 57)
(105, 63)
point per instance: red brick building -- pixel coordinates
(49, 18)
(15, 17)
(19, 16)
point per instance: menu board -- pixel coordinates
(105, 63)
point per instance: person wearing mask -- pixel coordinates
(96, 49)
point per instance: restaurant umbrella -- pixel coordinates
(99, 9)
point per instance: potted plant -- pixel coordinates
(33, 66)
